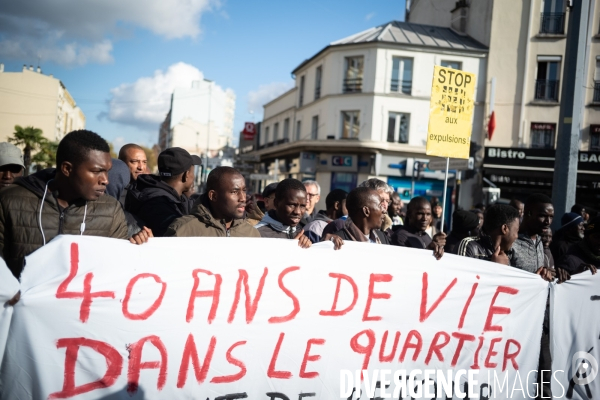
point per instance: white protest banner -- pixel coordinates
(575, 337)
(8, 289)
(227, 318)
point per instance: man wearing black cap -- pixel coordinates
(159, 200)
(571, 232)
(583, 255)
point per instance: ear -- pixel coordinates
(185, 177)
(504, 229)
(212, 195)
(66, 168)
(366, 211)
(336, 205)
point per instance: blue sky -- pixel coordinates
(130, 52)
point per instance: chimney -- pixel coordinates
(31, 67)
(39, 70)
(1, 68)
(24, 67)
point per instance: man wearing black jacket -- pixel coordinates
(159, 200)
(366, 213)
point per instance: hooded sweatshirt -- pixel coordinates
(271, 228)
(30, 217)
(201, 222)
(156, 203)
(118, 181)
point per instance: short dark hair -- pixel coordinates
(335, 195)
(216, 176)
(514, 202)
(498, 215)
(123, 151)
(358, 198)
(76, 145)
(286, 185)
(577, 208)
(417, 201)
(537, 198)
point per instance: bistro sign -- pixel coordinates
(515, 158)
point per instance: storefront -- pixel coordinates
(521, 172)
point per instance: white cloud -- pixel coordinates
(369, 16)
(146, 102)
(265, 93)
(72, 32)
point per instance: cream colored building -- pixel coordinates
(360, 108)
(526, 59)
(200, 119)
(30, 98)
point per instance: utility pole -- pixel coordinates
(208, 131)
(571, 102)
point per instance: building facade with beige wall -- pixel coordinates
(527, 42)
(30, 98)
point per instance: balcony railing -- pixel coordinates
(546, 90)
(552, 23)
(404, 86)
(597, 92)
(353, 85)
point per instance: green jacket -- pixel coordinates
(201, 222)
(20, 222)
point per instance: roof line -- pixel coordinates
(383, 31)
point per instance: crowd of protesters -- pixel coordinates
(89, 193)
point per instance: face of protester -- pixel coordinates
(291, 207)
(385, 200)
(395, 207)
(312, 198)
(578, 230)
(539, 218)
(521, 207)
(480, 216)
(547, 238)
(419, 216)
(136, 162)
(377, 210)
(8, 174)
(230, 199)
(437, 211)
(89, 178)
(189, 183)
(269, 202)
(510, 233)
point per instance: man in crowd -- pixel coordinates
(336, 208)
(366, 212)
(579, 209)
(547, 242)
(268, 195)
(582, 256)
(570, 232)
(313, 195)
(499, 232)
(67, 200)
(220, 211)
(395, 209)
(519, 205)
(159, 200)
(464, 224)
(385, 192)
(11, 164)
(290, 206)
(135, 159)
(481, 217)
(412, 233)
(528, 248)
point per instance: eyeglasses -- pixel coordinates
(309, 195)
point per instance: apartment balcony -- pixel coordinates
(552, 23)
(353, 85)
(546, 90)
(404, 86)
(596, 92)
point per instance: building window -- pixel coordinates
(314, 130)
(301, 98)
(552, 20)
(594, 137)
(266, 135)
(402, 69)
(542, 135)
(398, 124)
(452, 64)
(276, 132)
(298, 130)
(547, 80)
(318, 77)
(286, 130)
(350, 124)
(354, 74)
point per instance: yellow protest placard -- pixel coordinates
(450, 113)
